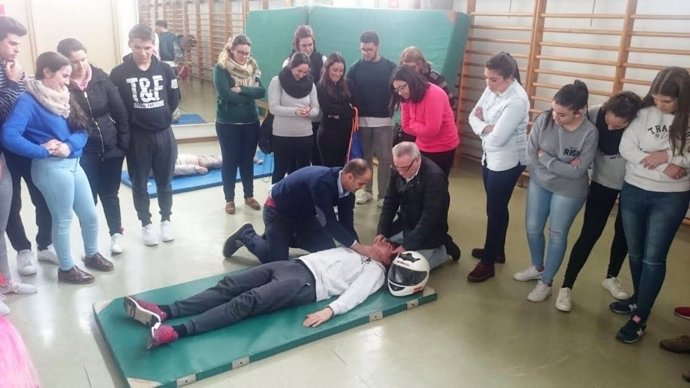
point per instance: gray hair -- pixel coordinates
(406, 148)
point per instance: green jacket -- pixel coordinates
(235, 107)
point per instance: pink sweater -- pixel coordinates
(432, 121)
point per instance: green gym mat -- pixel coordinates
(198, 357)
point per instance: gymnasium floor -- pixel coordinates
(474, 335)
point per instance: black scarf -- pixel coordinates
(609, 140)
(293, 87)
(316, 64)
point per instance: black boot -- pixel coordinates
(452, 248)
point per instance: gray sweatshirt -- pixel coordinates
(552, 170)
(283, 107)
(607, 170)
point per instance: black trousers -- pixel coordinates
(237, 147)
(258, 290)
(20, 167)
(600, 201)
(442, 159)
(281, 233)
(333, 140)
(152, 152)
(499, 187)
(291, 154)
(104, 179)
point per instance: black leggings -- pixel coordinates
(291, 154)
(600, 202)
(442, 159)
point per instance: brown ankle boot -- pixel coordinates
(252, 203)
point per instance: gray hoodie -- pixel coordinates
(607, 170)
(552, 170)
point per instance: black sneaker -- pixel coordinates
(234, 242)
(632, 331)
(626, 306)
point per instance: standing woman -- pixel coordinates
(238, 86)
(426, 114)
(608, 170)
(108, 128)
(500, 120)
(413, 57)
(656, 191)
(335, 100)
(292, 99)
(47, 126)
(560, 149)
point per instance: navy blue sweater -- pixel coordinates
(302, 192)
(372, 86)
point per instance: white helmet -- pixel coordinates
(408, 273)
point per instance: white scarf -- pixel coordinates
(51, 99)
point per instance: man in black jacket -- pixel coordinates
(299, 213)
(148, 88)
(418, 194)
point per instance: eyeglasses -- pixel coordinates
(242, 53)
(400, 88)
(367, 50)
(407, 168)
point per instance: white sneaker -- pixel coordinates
(167, 233)
(116, 244)
(149, 235)
(364, 197)
(615, 288)
(14, 287)
(564, 302)
(25, 267)
(540, 292)
(531, 273)
(48, 255)
(4, 309)
(379, 203)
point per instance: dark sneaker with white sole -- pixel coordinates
(146, 313)
(632, 331)
(234, 242)
(626, 306)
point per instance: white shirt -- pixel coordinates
(342, 271)
(649, 133)
(508, 112)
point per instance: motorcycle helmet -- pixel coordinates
(408, 273)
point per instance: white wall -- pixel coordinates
(101, 25)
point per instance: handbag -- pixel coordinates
(401, 136)
(354, 150)
(265, 134)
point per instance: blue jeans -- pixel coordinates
(65, 188)
(238, 146)
(650, 220)
(499, 187)
(542, 204)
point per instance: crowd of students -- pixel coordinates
(67, 132)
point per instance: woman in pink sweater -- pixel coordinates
(426, 114)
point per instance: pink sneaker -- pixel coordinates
(161, 335)
(142, 311)
(682, 312)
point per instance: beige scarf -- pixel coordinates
(244, 75)
(51, 99)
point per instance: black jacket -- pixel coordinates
(108, 127)
(150, 95)
(421, 206)
(332, 107)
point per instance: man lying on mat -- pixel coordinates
(191, 164)
(269, 287)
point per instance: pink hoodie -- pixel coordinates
(431, 121)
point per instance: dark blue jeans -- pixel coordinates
(499, 187)
(238, 146)
(282, 233)
(650, 220)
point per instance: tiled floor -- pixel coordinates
(474, 335)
